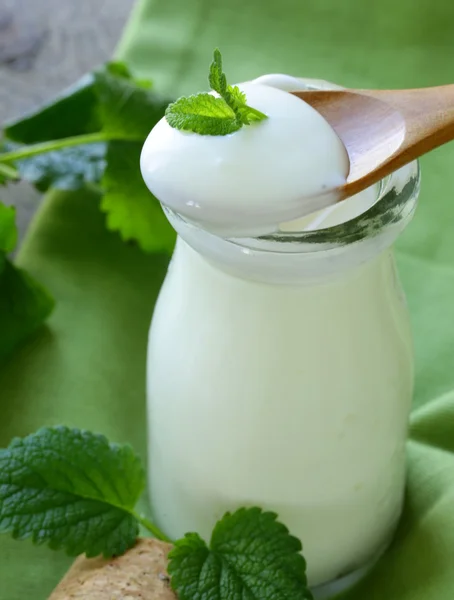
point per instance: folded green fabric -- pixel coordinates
(87, 367)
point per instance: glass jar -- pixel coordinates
(280, 374)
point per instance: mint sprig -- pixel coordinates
(206, 114)
(72, 489)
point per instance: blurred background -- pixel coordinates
(46, 45)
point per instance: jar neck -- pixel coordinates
(280, 268)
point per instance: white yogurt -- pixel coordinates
(293, 398)
(248, 182)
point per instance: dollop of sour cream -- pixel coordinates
(250, 181)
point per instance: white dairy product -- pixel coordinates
(249, 181)
(293, 398)
(288, 83)
(283, 379)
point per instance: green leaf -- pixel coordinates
(216, 77)
(71, 489)
(73, 112)
(66, 169)
(251, 557)
(204, 114)
(236, 96)
(8, 230)
(128, 110)
(131, 209)
(208, 115)
(107, 104)
(24, 305)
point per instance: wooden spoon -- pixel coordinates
(383, 130)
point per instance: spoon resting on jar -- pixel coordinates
(383, 130)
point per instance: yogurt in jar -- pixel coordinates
(280, 373)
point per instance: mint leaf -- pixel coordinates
(251, 557)
(66, 169)
(204, 114)
(216, 77)
(24, 304)
(236, 96)
(237, 99)
(8, 229)
(70, 489)
(208, 115)
(131, 209)
(128, 110)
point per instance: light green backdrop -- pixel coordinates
(87, 368)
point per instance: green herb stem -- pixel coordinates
(33, 150)
(152, 528)
(9, 172)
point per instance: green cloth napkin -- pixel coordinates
(87, 367)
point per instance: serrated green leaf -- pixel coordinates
(131, 209)
(24, 305)
(66, 169)
(204, 114)
(127, 109)
(216, 77)
(249, 115)
(70, 489)
(251, 557)
(8, 229)
(236, 95)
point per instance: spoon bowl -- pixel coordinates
(383, 130)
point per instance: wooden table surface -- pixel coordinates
(45, 45)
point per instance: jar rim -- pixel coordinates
(396, 201)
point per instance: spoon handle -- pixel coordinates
(428, 114)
